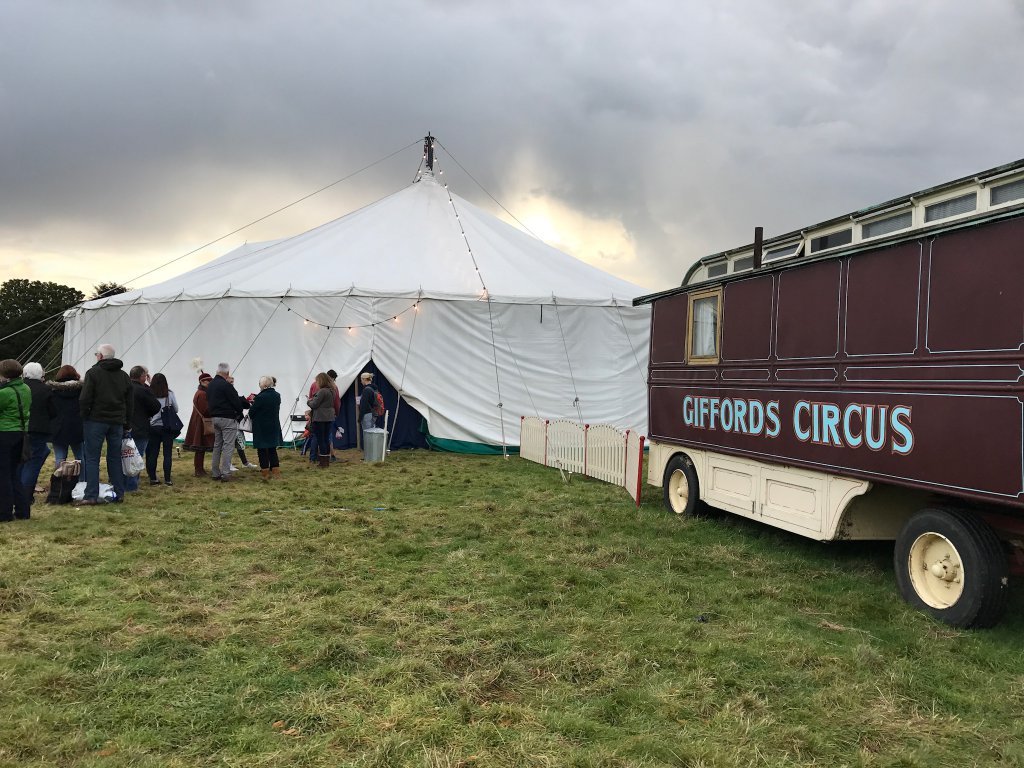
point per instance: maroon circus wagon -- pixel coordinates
(861, 379)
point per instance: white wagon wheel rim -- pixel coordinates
(678, 491)
(936, 570)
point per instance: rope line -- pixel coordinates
(279, 210)
(515, 362)
(490, 317)
(321, 350)
(105, 330)
(506, 210)
(42, 341)
(405, 368)
(568, 362)
(260, 332)
(223, 237)
(145, 330)
(38, 322)
(201, 321)
(629, 340)
(497, 381)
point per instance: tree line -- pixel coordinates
(25, 332)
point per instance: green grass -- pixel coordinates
(444, 610)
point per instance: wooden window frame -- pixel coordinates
(693, 298)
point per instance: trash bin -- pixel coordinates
(374, 441)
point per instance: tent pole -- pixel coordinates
(355, 392)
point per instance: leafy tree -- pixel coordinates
(30, 314)
(103, 290)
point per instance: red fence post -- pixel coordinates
(586, 434)
(640, 471)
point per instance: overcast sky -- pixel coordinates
(638, 136)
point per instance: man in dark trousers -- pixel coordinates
(107, 406)
(226, 408)
(146, 407)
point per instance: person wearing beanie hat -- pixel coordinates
(197, 438)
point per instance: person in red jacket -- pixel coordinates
(197, 439)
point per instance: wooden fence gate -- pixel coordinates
(599, 451)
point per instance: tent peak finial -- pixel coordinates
(428, 151)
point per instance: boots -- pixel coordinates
(265, 474)
(275, 472)
(325, 462)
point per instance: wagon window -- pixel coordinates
(953, 207)
(703, 334)
(717, 270)
(832, 240)
(783, 252)
(1006, 193)
(743, 264)
(885, 226)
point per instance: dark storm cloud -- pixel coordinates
(129, 126)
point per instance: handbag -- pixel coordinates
(68, 468)
(208, 426)
(61, 488)
(170, 421)
(245, 425)
(131, 461)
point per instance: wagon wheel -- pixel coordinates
(681, 488)
(951, 564)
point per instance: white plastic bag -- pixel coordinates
(106, 492)
(131, 461)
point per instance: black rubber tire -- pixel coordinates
(681, 463)
(985, 571)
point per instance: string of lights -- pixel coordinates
(351, 327)
(462, 230)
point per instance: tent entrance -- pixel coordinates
(405, 423)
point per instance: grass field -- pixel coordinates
(443, 610)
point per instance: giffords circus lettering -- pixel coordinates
(852, 426)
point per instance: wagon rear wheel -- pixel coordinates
(951, 564)
(681, 488)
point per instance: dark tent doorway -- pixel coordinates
(405, 423)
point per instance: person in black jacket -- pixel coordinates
(107, 407)
(146, 407)
(40, 415)
(226, 408)
(66, 430)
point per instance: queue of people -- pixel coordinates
(81, 415)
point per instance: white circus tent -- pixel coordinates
(474, 322)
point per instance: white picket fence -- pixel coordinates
(599, 451)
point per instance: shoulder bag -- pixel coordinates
(26, 442)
